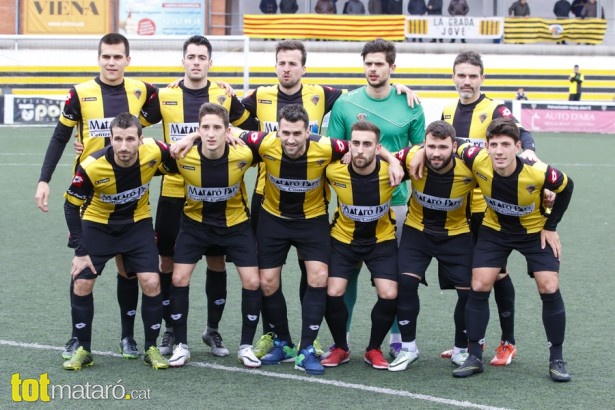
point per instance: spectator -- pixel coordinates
(395, 7)
(354, 7)
(434, 8)
(577, 7)
(521, 94)
(561, 9)
(417, 8)
(325, 7)
(519, 8)
(374, 6)
(590, 10)
(576, 79)
(268, 6)
(288, 6)
(458, 8)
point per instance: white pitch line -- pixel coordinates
(335, 383)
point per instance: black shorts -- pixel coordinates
(168, 215)
(493, 247)
(196, 239)
(134, 241)
(275, 236)
(453, 253)
(380, 259)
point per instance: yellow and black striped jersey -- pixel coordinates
(514, 203)
(266, 102)
(294, 188)
(110, 194)
(439, 203)
(93, 104)
(471, 121)
(214, 188)
(178, 108)
(363, 215)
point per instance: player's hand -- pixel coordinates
(396, 173)
(410, 95)
(417, 164)
(42, 196)
(529, 155)
(78, 147)
(548, 198)
(227, 88)
(551, 238)
(175, 83)
(181, 147)
(79, 264)
(346, 158)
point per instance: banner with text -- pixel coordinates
(65, 17)
(27, 109)
(536, 30)
(567, 117)
(454, 27)
(161, 17)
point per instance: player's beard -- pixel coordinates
(444, 164)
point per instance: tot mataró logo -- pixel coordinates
(41, 389)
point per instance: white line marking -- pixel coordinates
(336, 383)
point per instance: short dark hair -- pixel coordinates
(441, 130)
(294, 113)
(112, 39)
(214, 109)
(469, 57)
(124, 121)
(380, 45)
(291, 45)
(363, 125)
(199, 41)
(503, 126)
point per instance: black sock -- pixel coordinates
(128, 299)
(70, 295)
(477, 318)
(336, 315)
(275, 307)
(250, 309)
(554, 320)
(82, 312)
(408, 306)
(165, 291)
(180, 297)
(303, 281)
(312, 312)
(505, 299)
(383, 315)
(215, 289)
(459, 317)
(151, 313)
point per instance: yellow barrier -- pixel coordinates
(536, 30)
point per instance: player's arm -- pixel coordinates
(396, 171)
(241, 117)
(549, 235)
(150, 112)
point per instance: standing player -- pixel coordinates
(90, 106)
(294, 212)
(400, 125)
(515, 220)
(216, 214)
(470, 116)
(107, 212)
(576, 80)
(363, 230)
(178, 108)
(436, 227)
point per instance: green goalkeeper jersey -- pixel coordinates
(400, 125)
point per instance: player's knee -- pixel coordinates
(150, 283)
(269, 286)
(251, 282)
(83, 287)
(547, 283)
(318, 279)
(180, 279)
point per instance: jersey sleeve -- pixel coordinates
(405, 156)
(331, 96)
(338, 148)
(468, 153)
(80, 189)
(416, 132)
(337, 125)
(241, 117)
(253, 140)
(55, 149)
(249, 103)
(71, 113)
(151, 112)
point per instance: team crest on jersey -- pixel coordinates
(315, 99)
(86, 99)
(362, 116)
(241, 164)
(531, 188)
(137, 93)
(221, 99)
(102, 181)
(482, 117)
(261, 101)
(152, 163)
